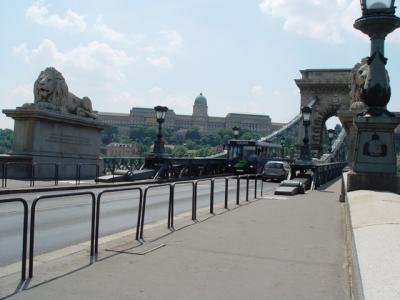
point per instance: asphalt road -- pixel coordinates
(61, 222)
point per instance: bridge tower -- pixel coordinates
(330, 89)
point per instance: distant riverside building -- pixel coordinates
(121, 150)
(140, 116)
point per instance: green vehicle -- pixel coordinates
(250, 156)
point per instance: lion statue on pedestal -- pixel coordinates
(359, 75)
(51, 92)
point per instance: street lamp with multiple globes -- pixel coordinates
(377, 21)
(236, 132)
(305, 153)
(331, 136)
(159, 150)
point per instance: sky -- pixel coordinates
(243, 55)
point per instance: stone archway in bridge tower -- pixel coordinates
(330, 88)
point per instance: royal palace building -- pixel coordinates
(200, 119)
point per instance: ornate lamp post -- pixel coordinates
(236, 132)
(305, 153)
(282, 142)
(159, 150)
(331, 136)
(375, 151)
(377, 21)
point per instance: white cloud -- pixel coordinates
(173, 38)
(258, 91)
(159, 96)
(94, 57)
(39, 13)
(160, 62)
(276, 93)
(325, 20)
(109, 33)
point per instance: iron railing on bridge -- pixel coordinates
(143, 194)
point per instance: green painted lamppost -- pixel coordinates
(236, 132)
(305, 153)
(159, 150)
(331, 136)
(377, 21)
(375, 147)
(282, 142)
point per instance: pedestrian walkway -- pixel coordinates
(271, 248)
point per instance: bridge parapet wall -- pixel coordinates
(373, 227)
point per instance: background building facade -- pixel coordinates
(140, 116)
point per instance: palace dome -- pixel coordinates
(200, 100)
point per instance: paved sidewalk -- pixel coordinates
(272, 248)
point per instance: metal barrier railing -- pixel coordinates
(95, 214)
(172, 201)
(144, 204)
(79, 171)
(2, 175)
(211, 180)
(5, 172)
(96, 238)
(32, 224)
(24, 234)
(35, 167)
(32, 169)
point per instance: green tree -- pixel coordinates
(179, 151)
(193, 134)
(108, 135)
(6, 139)
(205, 151)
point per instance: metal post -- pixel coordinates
(56, 174)
(6, 175)
(255, 186)
(171, 206)
(32, 181)
(247, 188)
(212, 197)
(226, 192)
(194, 202)
(237, 190)
(262, 187)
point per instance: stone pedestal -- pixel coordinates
(375, 147)
(48, 138)
(346, 118)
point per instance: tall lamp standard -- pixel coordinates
(236, 132)
(305, 153)
(282, 142)
(377, 21)
(331, 136)
(159, 150)
(375, 147)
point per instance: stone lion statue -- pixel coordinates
(51, 92)
(359, 75)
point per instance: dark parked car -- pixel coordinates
(278, 170)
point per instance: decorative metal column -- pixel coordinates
(282, 142)
(375, 148)
(159, 150)
(331, 136)
(305, 154)
(236, 132)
